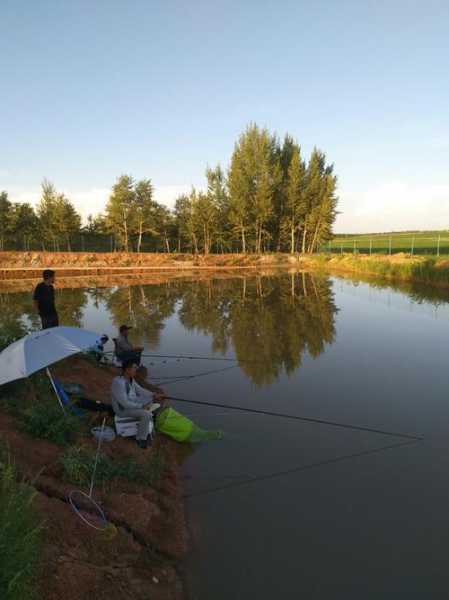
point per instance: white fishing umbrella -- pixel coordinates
(41, 349)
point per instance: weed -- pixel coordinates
(78, 462)
(20, 535)
(46, 420)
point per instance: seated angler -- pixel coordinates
(124, 350)
(129, 400)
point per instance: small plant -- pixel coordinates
(148, 472)
(78, 462)
(20, 535)
(47, 421)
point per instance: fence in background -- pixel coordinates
(409, 244)
(82, 242)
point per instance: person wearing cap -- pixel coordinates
(124, 350)
(129, 400)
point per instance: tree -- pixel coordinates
(145, 210)
(164, 224)
(182, 219)
(295, 205)
(326, 211)
(120, 209)
(96, 225)
(254, 176)
(5, 218)
(320, 200)
(219, 197)
(205, 215)
(67, 221)
(46, 212)
(24, 223)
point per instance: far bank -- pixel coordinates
(398, 267)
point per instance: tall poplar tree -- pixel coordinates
(46, 212)
(120, 210)
(253, 178)
(145, 210)
(5, 218)
(295, 203)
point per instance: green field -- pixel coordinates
(434, 243)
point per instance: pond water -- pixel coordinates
(285, 508)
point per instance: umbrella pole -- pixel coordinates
(54, 389)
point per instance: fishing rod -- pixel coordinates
(298, 418)
(310, 466)
(185, 356)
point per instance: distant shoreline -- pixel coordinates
(28, 266)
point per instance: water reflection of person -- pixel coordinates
(44, 300)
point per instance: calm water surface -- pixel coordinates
(287, 509)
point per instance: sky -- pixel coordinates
(93, 89)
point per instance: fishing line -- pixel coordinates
(297, 418)
(298, 469)
(183, 356)
(186, 377)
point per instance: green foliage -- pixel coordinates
(418, 270)
(78, 463)
(47, 421)
(120, 210)
(270, 200)
(20, 536)
(58, 219)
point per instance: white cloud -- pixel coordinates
(393, 206)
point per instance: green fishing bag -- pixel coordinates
(182, 429)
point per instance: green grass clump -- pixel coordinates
(420, 270)
(47, 421)
(78, 463)
(20, 536)
(38, 412)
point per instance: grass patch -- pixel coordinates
(20, 536)
(34, 404)
(423, 270)
(78, 463)
(47, 421)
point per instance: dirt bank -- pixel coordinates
(29, 265)
(92, 268)
(137, 556)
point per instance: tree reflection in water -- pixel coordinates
(269, 320)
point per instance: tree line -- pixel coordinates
(269, 199)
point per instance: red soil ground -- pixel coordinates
(136, 556)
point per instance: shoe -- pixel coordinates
(142, 444)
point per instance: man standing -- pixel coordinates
(44, 300)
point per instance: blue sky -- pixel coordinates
(90, 90)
